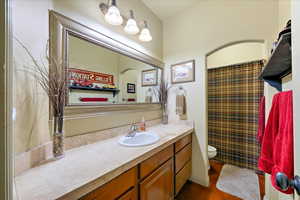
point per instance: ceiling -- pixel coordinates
(168, 8)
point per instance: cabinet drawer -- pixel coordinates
(182, 157)
(130, 195)
(160, 184)
(182, 176)
(183, 142)
(155, 161)
(116, 187)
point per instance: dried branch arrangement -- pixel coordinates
(53, 81)
(162, 93)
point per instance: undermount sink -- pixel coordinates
(140, 139)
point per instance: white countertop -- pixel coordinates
(88, 167)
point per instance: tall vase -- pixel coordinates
(58, 138)
(165, 117)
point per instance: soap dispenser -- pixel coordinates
(143, 125)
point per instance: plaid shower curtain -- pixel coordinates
(234, 93)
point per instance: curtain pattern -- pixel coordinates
(234, 93)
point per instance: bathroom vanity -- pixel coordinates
(108, 170)
(160, 177)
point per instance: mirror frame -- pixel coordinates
(59, 30)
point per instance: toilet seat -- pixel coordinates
(212, 152)
(211, 149)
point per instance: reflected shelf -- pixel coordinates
(114, 91)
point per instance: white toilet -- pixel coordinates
(212, 152)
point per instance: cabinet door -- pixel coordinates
(116, 187)
(130, 195)
(159, 185)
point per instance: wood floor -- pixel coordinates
(193, 191)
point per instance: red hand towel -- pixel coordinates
(261, 120)
(88, 99)
(277, 152)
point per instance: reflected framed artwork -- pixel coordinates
(149, 77)
(183, 72)
(131, 88)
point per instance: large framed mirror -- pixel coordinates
(102, 73)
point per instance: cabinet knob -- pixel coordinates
(283, 182)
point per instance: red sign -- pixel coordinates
(80, 75)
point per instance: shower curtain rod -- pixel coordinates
(242, 63)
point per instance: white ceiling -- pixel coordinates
(168, 8)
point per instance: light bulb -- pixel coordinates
(131, 26)
(145, 35)
(113, 16)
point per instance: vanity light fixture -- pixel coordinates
(131, 26)
(145, 34)
(113, 15)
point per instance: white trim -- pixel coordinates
(8, 67)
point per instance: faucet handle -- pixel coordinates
(133, 127)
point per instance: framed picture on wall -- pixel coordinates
(149, 77)
(183, 72)
(131, 88)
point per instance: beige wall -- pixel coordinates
(237, 53)
(30, 25)
(198, 30)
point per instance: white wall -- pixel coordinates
(237, 53)
(198, 30)
(30, 25)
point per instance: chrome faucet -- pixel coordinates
(133, 130)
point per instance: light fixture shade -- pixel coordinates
(131, 27)
(145, 35)
(113, 16)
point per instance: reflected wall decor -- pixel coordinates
(149, 77)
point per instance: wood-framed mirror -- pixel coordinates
(103, 74)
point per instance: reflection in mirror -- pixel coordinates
(98, 75)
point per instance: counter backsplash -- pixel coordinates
(43, 153)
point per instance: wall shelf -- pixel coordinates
(279, 64)
(114, 91)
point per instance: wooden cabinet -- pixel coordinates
(183, 142)
(159, 185)
(130, 195)
(182, 176)
(159, 177)
(155, 161)
(115, 188)
(182, 157)
(183, 163)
